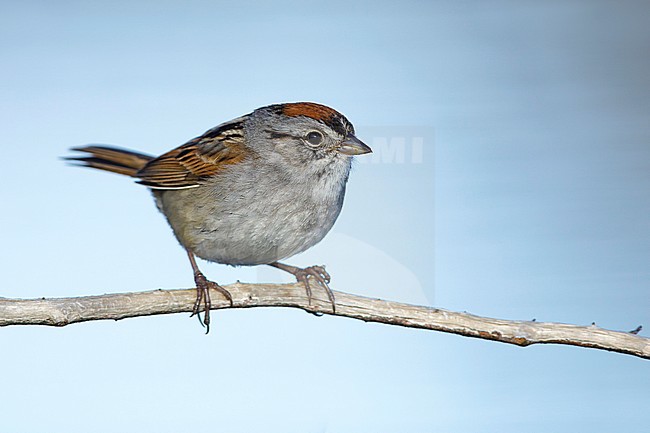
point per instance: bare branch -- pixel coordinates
(64, 311)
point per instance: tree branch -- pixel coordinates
(64, 311)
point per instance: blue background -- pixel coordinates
(529, 200)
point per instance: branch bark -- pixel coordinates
(65, 311)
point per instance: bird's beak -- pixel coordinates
(353, 146)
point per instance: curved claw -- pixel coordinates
(197, 304)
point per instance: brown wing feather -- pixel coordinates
(187, 165)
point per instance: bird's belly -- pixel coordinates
(274, 235)
(246, 228)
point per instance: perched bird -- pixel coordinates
(251, 191)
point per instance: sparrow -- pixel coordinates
(251, 191)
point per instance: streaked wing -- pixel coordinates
(187, 165)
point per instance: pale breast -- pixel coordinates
(254, 218)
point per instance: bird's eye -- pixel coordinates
(314, 138)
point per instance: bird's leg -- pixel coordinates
(203, 286)
(302, 275)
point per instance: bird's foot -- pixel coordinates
(303, 276)
(203, 286)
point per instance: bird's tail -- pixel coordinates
(111, 159)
